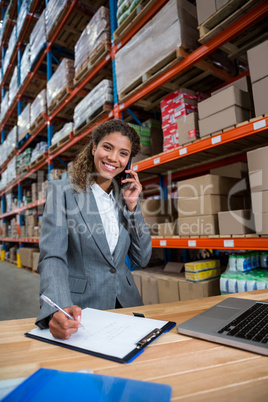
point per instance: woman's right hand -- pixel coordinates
(62, 327)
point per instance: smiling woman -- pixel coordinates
(86, 268)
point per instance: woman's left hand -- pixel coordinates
(132, 191)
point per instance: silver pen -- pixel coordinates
(52, 304)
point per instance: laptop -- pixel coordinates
(240, 323)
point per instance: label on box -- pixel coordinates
(193, 133)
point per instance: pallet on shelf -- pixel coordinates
(37, 161)
(92, 60)
(201, 75)
(224, 17)
(59, 144)
(92, 119)
(37, 123)
(134, 17)
(59, 99)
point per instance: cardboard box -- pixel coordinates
(188, 128)
(207, 184)
(26, 256)
(168, 287)
(197, 290)
(167, 229)
(258, 61)
(223, 119)
(161, 207)
(261, 223)
(13, 253)
(208, 204)
(205, 225)
(236, 170)
(35, 260)
(258, 169)
(173, 267)
(205, 8)
(137, 279)
(230, 96)
(236, 222)
(259, 200)
(260, 90)
(242, 84)
(149, 284)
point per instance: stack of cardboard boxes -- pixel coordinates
(29, 257)
(258, 179)
(258, 68)
(160, 216)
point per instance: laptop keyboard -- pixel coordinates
(252, 324)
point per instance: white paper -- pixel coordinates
(108, 333)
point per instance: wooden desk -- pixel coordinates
(197, 370)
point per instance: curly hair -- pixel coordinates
(84, 163)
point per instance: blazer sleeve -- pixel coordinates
(53, 245)
(141, 242)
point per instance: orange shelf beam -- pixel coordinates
(24, 208)
(20, 239)
(251, 243)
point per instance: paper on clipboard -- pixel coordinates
(112, 335)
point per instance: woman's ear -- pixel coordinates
(94, 149)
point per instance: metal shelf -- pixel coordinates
(228, 243)
(24, 208)
(20, 239)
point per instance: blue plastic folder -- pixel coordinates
(53, 385)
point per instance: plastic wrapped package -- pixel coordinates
(40, 149)
(173, 26)
(125, 8)
(23, 160)
(101, 95)
(61, 79)
(11, 140)
(38, 107)
(24, 8)
(38, 37)
(66, 130)
(3, 153)
(96, 32)
(10, 49)
(24, 120)
(53, 11)
(13, 86)
(25, 63)
(4, 180)
(4, 105)
(11, 170)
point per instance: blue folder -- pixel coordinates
(53, 385)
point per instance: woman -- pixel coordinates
(89, 226)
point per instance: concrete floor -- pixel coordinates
(19, 292)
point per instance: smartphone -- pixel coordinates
(126, 175)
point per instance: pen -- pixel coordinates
(52, 304)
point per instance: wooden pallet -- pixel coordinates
(37, 124)
(223, 18)
(58, 145)
(59, 99)
(97, 115)
(88, 65)
(137, 14)
(194, 78)
(37, 161)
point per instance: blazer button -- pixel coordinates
(112, 270)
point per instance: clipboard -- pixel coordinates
(109, 335)
(56, 385)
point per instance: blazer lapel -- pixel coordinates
(90, 214)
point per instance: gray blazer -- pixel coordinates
(76, 265)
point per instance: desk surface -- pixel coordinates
(197, 370)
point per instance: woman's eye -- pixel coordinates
(106, 147)
(124, 154)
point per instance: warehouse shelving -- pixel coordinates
(182, 161)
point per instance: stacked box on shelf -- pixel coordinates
(173, 26)
(60, 82)
(11, 141)
(157, 212)
(96, 33)
(100, 98)
(124, 9)
(206, 8)
(54, 9)
(145, 138)
(13, 86)
(258, 180)
(10, 48)
(223, 109)
(38, 38)
(38, 109)
(198, 271)
(24, 122)
(3, 181)
(4, 105)
(236, 282)
(24, 9)
(23, 160)
(199, 201)
(174, 106)
(39, 150)
(258, 68)
(11, 170)
(25, 64)
(64, 132)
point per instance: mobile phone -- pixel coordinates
(126, 175)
